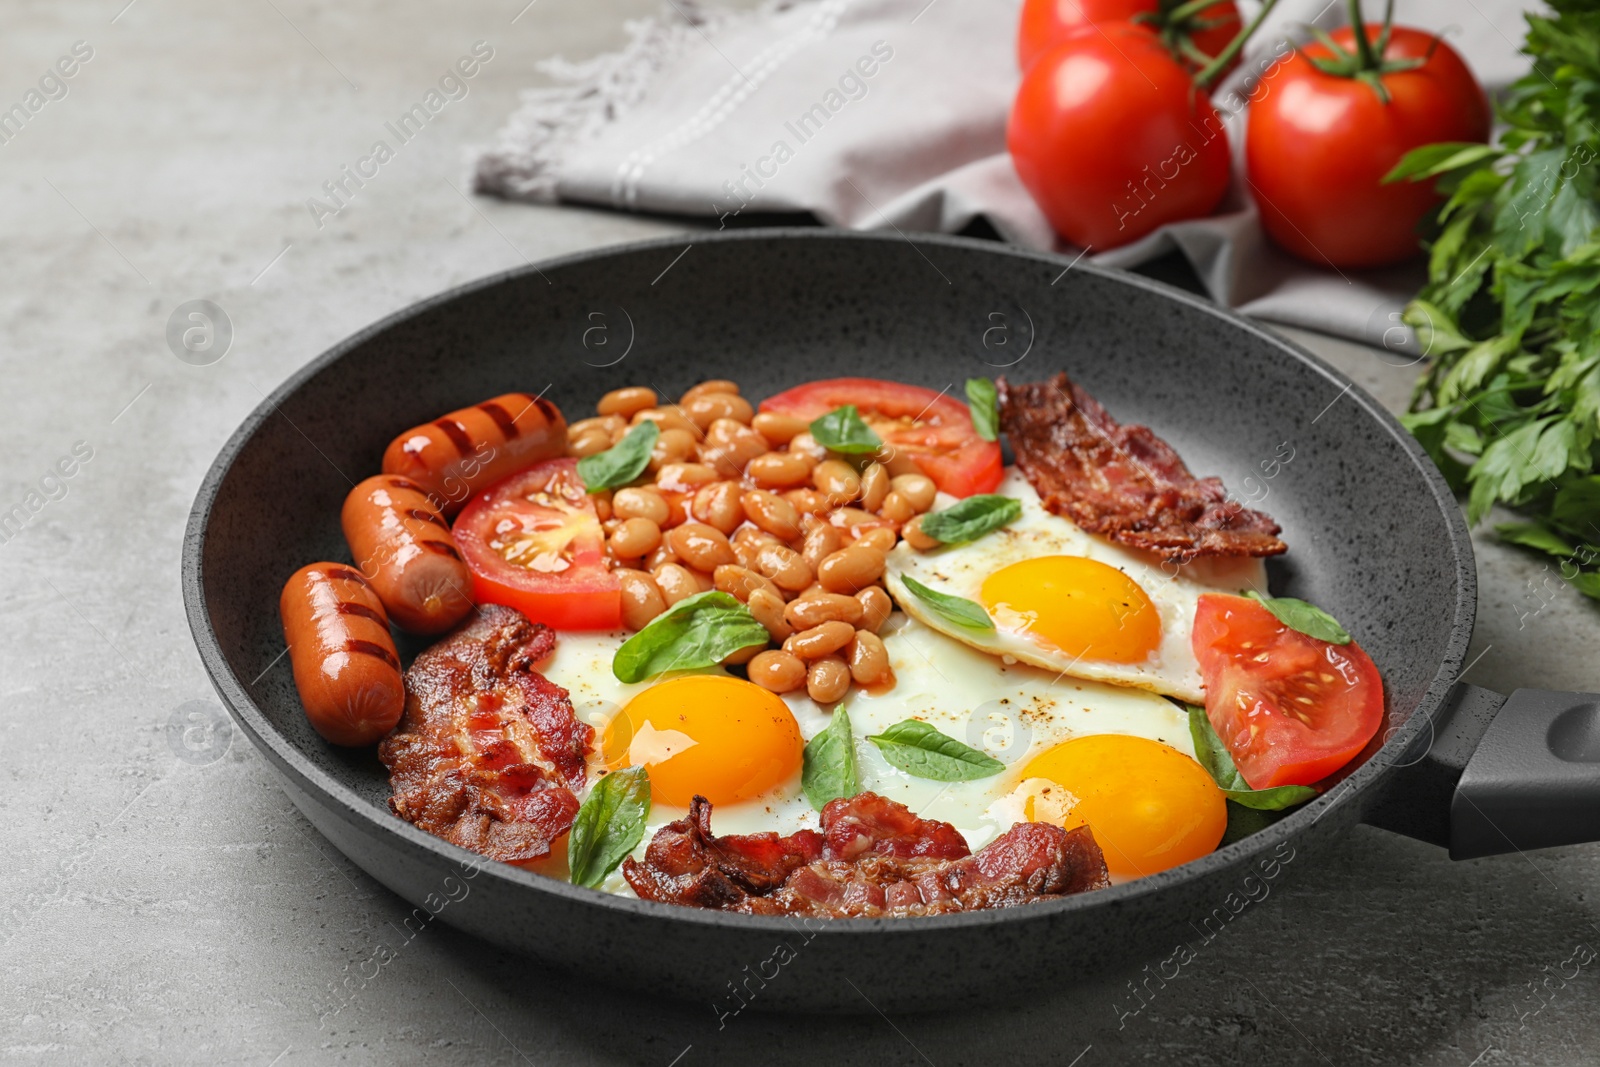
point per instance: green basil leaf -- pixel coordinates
(970, 519)
(698, 631)
(1213, 755)
(841, 430)
(1307, 618)
(920, 750)
(829, 769)
(955, 609)
(984, 404)
(609, 825)
(622, 462)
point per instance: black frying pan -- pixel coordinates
(1375, 537)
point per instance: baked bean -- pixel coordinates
(777, 671)
(684, 477)
(707, 408)
(815, 610)
(875, 608)
(896, 508)
(635, 538)
(917, 489)
(593, 440)
(854, 522)
(677, 507)
(913, 535)
(718, 505)
(611, 526)
(784, 566)
(838, 480)
(711, 385)
(869, 660)
(741, 655)
(747, 541)
(808, 501)
(882, 538)
(627, 402)
(821, 542)
(730, 446)
(846, 570)
(804, 442)
(641, 598)
(897, 462)
(732, 578)
(673, 446)
(676, 582)
(660, 557)
(772, 513)
(768, 609)
(779, 429)
(702, 547)
(609, 423)
(828, 680)
(667, 418)
(639, 503)
(602, 504)
(811, 592)
(874, 486)
(780, 470)
(822, 640)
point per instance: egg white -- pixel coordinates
(1010, 710)
(1173, 588)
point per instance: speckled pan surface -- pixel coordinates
(1374, 535)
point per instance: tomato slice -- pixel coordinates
(1291, 709)
(534, 543)
(933, 429)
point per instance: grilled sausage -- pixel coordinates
(345, 663)
(402, 546)
(455, 456)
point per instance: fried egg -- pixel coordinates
(1070, 602)
(718, 735)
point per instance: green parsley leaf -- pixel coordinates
(954, 609)
(622, 462)
(970, 519)
(922, 751)
(984, 404)
(1306, 618)
(841, 430)
(829, 769)
(697, 631)
(1213, 755)
(609, 825)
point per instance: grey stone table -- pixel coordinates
(166, 909)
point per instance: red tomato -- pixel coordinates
(933, 429)
(1046, 23)
(534, 543)
(1317, 144)
(1112, 138)
(1291, 709)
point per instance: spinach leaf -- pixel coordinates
(984, 404)
(970, 519)
(1213, 756)
(609, 825)
(954, 609)
(622, 462)
(922, 751)
(697, 631)
(1306, 618)
(829, 770)
(841, 430)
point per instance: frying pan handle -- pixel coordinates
(1501, 774)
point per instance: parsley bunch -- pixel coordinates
(1510, 407)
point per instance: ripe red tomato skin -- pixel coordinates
(1112, 139)
(1316, 147)
(1047, 23)
(1246, 698)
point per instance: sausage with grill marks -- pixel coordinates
(401, 544)
(345, 664)
(454, 457)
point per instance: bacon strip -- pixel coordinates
(1123, 482)
(873, 858)
(489, 754)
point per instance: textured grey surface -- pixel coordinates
(167, 909)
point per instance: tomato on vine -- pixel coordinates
(1196, 31)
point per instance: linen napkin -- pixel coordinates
(878, 114)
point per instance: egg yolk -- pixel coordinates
(721, 737)
(1084, 607)
(1150, 806)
